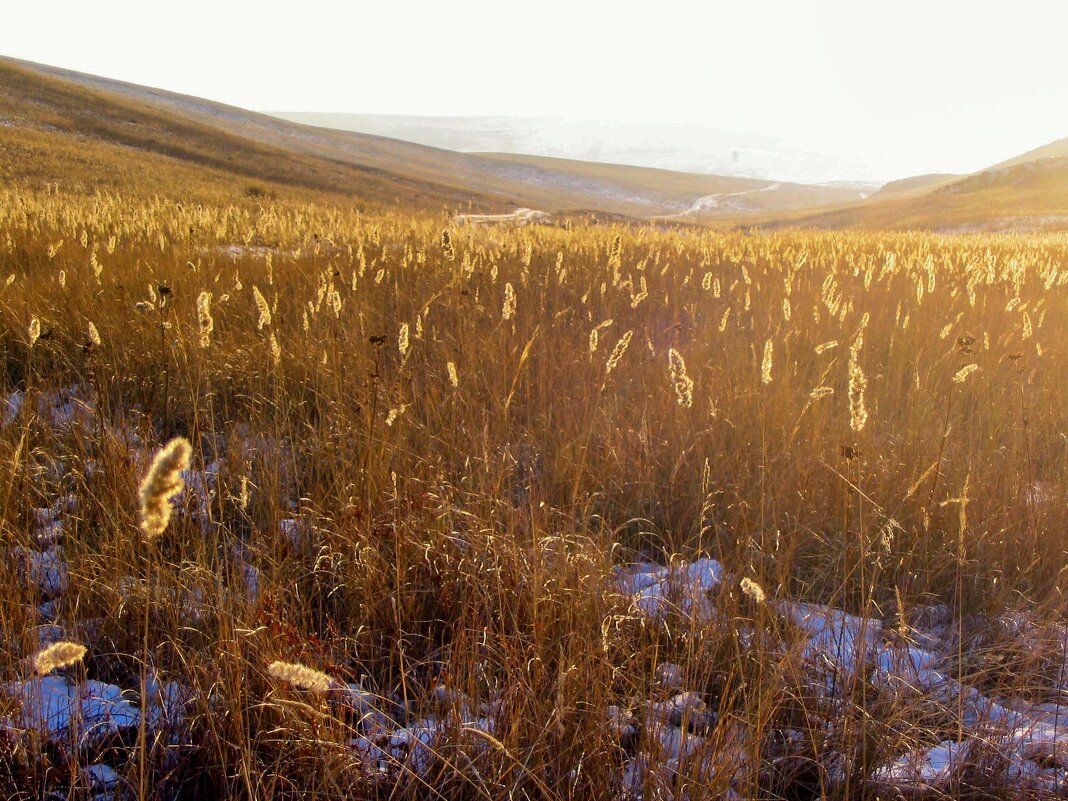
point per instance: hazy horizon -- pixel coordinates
(866, 94)
(678, 147)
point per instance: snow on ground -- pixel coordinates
(521, 216)
(1019, 744)
(68, 713)
(675, 734)
(727, 201)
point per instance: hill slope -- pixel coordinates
(673, 146)
(1026, 193)
(686, 194)
(92, 133)
(1054, 150)
(59, 125)
(916, 182)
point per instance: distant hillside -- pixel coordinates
(685, 194)
(914, 183)
(93, 132)
(1026, 193)
(1054, 150)
(664, 146)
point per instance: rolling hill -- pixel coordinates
(663, 145)
(1025, 193)
(91, 133)
(64, 126)
(917, 182)
(1054, 150)
(681, 195)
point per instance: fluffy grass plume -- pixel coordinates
(276, 350)
(616, 356)
(263, 308)
(682, 382)
(858, 382)
(162, 482)
(752, 590)
(58, 655)
(301, 676)
(765, 365)
(508, 308)
(205, 322)
(858, 410)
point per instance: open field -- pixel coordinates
(561, 511)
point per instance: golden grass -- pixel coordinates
(461, 499)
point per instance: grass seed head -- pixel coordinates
(858, 383)
(301, 676)
(765, 365)
(263, 307)
(752, 590)
(508, 309)
(58, 655)
(683, 383)
(205, 323)
(617, 352)
(963, 373)
(162, 482)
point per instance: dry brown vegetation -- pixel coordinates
(1028, 194)
(420, 452)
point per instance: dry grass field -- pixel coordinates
(311, 487)
(551, 512)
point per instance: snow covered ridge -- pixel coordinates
(1004, 743)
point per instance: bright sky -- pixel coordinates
(906, 87)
